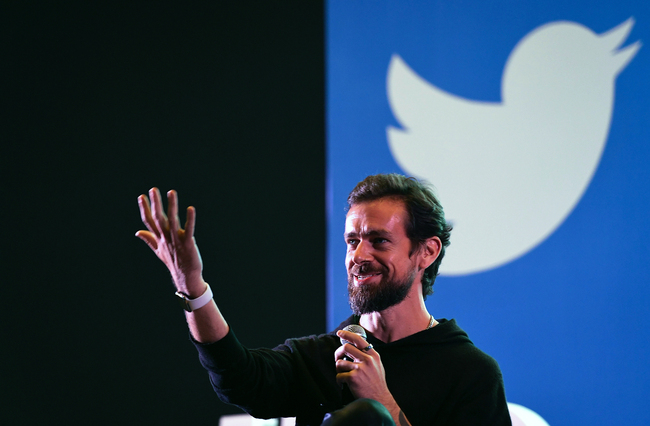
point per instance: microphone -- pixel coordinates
(356, 329)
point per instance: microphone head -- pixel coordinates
(357, 329)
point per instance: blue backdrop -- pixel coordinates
(530, 118)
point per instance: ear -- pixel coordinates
(429, 252)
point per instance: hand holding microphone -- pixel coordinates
(356, 329)
(359, 365)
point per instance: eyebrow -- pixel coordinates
(368, 234)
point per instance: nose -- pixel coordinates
(362, 253)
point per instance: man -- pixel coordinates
(411, 368)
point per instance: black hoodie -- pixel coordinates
(437, 377)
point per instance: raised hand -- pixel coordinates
(176, 247)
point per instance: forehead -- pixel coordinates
(385, 214)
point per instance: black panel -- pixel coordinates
(222, 101)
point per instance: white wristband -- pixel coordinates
(193, 304)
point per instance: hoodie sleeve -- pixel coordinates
(292, 380)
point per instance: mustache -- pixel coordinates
(365, 270)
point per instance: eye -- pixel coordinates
(352, 242)
(380, 243)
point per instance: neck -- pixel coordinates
(402, 320)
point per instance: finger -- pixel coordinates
(342, 352)
(368, 348)
(352, 352)
(157, 210)
(344, 366)
(339, 353)
(148, 238)
(172, 215)
(353, 338)
(189, 223)
(145, 214)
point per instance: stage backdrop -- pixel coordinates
(531, 120)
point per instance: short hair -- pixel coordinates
(426, 217)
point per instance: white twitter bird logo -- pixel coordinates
(509, 173)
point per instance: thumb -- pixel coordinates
(148, 238)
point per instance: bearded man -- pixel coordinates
(409, 369)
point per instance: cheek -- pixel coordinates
(396, 266)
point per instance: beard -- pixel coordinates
(365, 299)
